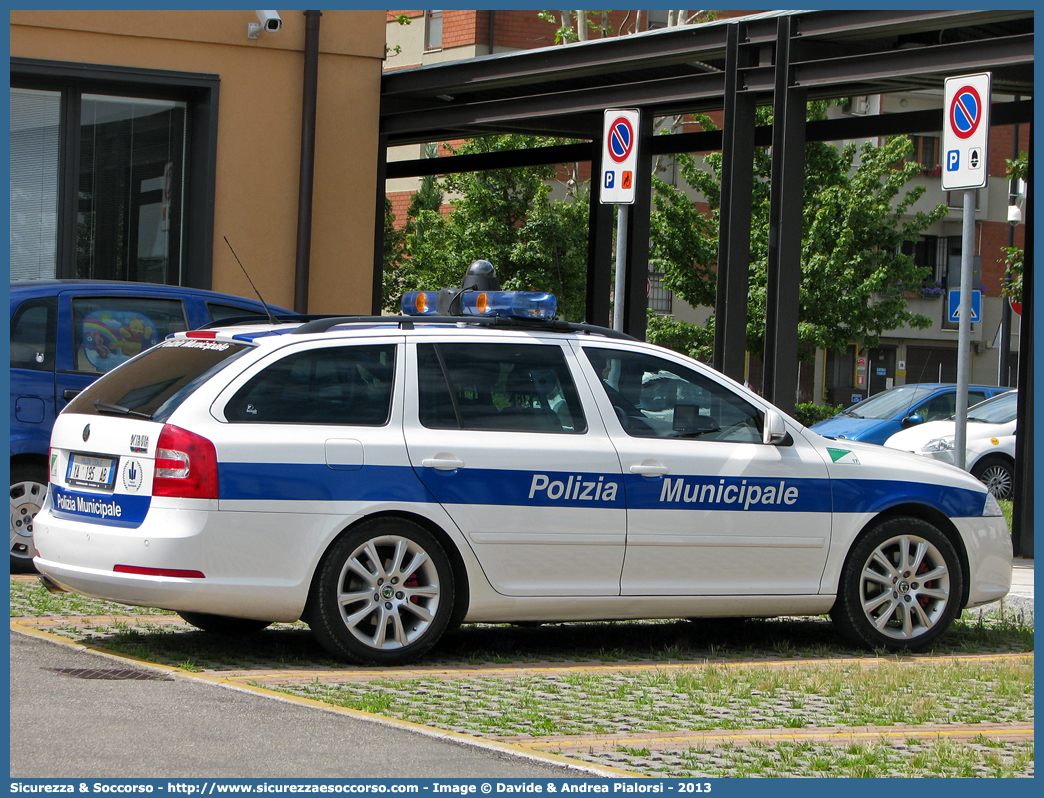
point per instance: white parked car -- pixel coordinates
(990, 442)
(387, 478)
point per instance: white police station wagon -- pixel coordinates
(387, 478)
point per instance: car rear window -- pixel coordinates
(158, 381)
(108, 331)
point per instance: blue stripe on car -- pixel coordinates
(505, 487)
(319, 482)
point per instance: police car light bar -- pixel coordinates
(513, 304)
(516, 304)
(419, 303)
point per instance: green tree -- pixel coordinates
(1013, 256)
(855, 219)
(505, 216)
(394, 251)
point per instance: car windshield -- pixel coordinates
(890, 403)
(998, 410)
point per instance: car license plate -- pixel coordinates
(91, 471)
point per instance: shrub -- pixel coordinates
(809, 413)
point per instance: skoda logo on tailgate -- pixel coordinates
(86, 433)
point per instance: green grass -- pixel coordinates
(708, 697)
(1007, 506)
(933, 758)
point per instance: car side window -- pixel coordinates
(505, 387)
(655, 398)
(346, 385)
(108, 331)
(33, 334)
(219, 312)
(939, 407)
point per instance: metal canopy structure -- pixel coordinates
(731, 65)
(562, 90)
(777, 58)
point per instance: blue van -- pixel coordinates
(64, 335)
(876, 419)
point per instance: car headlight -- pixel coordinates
(938, 445)
(992, 506)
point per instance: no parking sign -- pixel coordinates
(965, 140)
(619, 157)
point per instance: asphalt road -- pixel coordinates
(178, 727)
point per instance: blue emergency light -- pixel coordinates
(480, 295)
(420, 303)
(513, 304)
(516, 304)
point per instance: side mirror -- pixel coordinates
(775, 431)
(912, 420)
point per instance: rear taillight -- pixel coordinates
(178, 572)
(186, 465)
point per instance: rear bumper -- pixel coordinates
(246, 573)
(269, 602)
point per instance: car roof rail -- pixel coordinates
(500, 322)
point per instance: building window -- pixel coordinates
(35, 117)
(112, 173)
(433, 30)
(660, 299)
(930, 252)
(926, 154)
(130, 197)
(657, 18)
(955, 199)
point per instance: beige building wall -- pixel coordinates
(259, 132)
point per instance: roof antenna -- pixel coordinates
(272, 319)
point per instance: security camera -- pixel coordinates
(267, 21)
(270, 21)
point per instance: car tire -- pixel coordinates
(224, 624)
(28, 491)
(383, 593)
(997, 474)
(883, 603)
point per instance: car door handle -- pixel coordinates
(70, 393)
(648, 469)
(442, 463)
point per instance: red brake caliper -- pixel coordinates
(413, 581)
(923, 600)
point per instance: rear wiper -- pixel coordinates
(118, 410)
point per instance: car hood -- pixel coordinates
(895, 477)
(854, 429)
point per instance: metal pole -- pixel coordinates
(307, 176)
(621, 267)
(960, 437)
(1004, 353)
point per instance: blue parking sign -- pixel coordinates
(610, 179)
(953, 160)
